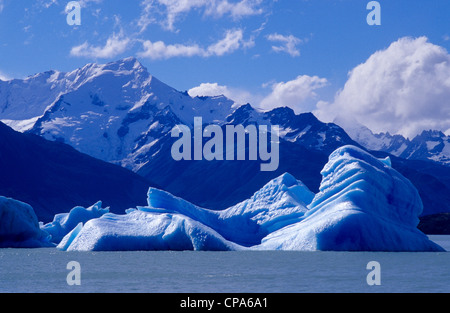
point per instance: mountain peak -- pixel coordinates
(130, 63)
(431, 134)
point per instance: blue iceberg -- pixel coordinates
(363, 205)
(64, 223)
(19, 226)
(171, 223)
(142, 231)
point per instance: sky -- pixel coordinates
(319, 56)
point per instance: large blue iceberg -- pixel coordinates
(363, 205)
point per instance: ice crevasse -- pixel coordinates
(363, 205)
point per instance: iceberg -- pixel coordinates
(171, 223)
(363, 205)
(143, 231)
(19, 226)
(64, 223)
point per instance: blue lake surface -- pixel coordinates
(45, 270)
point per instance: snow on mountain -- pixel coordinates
(393, 144)
(429, 145)
(304, 129)
(109, 111)
(363, 205)
(118, 112)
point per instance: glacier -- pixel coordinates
(19, 226)
(363, 205)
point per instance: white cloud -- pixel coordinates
(403, 89)
(232, 41)
(236, 10)
(146, 18)
(115, 45)
(289, 44)
(214, 89)
(159, 50)
(208, 90)
(174, 9)
(296, 94)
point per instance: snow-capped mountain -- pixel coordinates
(304, 129)
(119, 113)
(429, 145)
(108, 111)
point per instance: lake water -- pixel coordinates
(45, 270)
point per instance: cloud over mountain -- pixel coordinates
(402, 89)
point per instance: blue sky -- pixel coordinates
(298, 52)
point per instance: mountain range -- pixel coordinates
(119, 113)
(430, 145)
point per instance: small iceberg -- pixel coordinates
(19, 226)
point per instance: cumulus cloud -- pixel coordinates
(296, 94)
(115, 45)
(159, 50)
(239, 96)
(289, 44)
(232, 41)
(403, 89)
